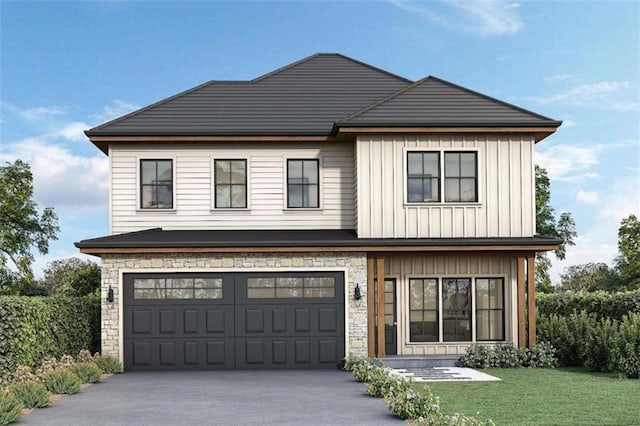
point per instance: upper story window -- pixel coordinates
(460, 177)
(423, 177)
(156, 184)
(230, 180)
(303, 187)
(424, 171)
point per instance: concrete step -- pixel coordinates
(424, 361)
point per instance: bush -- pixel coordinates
(85, 356)
(87, 372)
(600, 346)
(541, 355)
(600, 304)
(477, 356)
(10, 408)
(568, 335)
(352, 360)
(108, 364)
(414, 405)
(62, 382)
(628, 352)
(31, 394)
(35, 327)
(385, 385)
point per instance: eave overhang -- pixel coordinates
(282, 241)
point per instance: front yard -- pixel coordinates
(568, 396)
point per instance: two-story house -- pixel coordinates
(324, 209)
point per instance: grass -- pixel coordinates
(562, 396)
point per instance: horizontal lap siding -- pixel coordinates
(505, 189)
(193, 194)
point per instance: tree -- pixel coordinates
(72, 276)
(628, 260)
(21, 225)
(547, 225)
(589, 277)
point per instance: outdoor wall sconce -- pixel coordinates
(110, 295)
(356, 292)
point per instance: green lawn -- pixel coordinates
(562, 396)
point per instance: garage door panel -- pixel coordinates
(217, 321)
(278, 320)
(302, 351)
(190, 323)
(167, 321)
(328, 320)
(141, 321)
(254, 320)
(168, 355)
(302, 320)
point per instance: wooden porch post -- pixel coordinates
(531, 294)
(371, 326)
(522, 338)
(380, 304)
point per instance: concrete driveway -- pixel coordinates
(219, 397)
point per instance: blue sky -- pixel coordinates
(67, 66)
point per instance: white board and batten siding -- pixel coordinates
(402, 268)
(193, 196)
(505, 206)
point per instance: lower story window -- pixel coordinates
(440, 310)
(490, 309)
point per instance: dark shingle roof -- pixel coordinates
(312, 97)
(159, 238)
(304, 98)
(435, 102)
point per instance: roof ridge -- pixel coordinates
(315, 55)
(491, 98)
(385, 99)
(148, 107)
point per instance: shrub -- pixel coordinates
(10, 408)
(22, 374)
(87, 372)
(477, 356)
(599, 304)
(35, 327)
(31, 394)
(108, 364)
(62, 382)
(383, 384)
(507, 356)
(85, 356)
(541, 355)
(352, 360)
(600, 346)
(627, 354)
(568, 335)
(413, 405)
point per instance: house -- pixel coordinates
(324, 209)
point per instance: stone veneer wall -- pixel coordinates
(355, 263)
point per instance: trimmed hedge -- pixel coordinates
(34, 327)
(601, 304)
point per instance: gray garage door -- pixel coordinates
(233, 320)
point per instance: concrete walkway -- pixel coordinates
(444, 374)
(220, 398)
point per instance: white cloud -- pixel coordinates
(74, 131)
(62, 179)
(41, 113)
(488, 17)
(602, 94)
(568, 162)
(116, 109)
(558, 77)
(587, 197)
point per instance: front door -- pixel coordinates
(390, 318)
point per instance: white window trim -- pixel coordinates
(440, 278)
(442, 202)
(213, 184)
(174, 167)
(285, 188)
